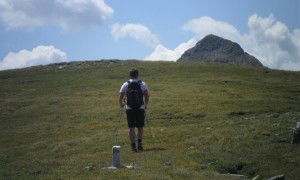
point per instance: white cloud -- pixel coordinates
(268, 39)
(206, 25)
(137, 31)
(41, 55)
(273, 43)
(163, 53)
(67, 14)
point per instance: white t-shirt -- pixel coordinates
(124, 87)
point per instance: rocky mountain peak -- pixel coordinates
(213, 48)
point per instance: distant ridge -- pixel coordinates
(213, 48)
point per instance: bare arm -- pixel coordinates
(146, 96)
(121, 99)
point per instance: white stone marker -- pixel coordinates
(116, 156)
(116, 159)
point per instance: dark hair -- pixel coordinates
(134, 73)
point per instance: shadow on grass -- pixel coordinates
(154, 149)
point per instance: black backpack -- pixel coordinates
(134, 94)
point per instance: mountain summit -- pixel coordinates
(213, 48)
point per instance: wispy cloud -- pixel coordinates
(206, 25)
(268, 39)
(66, 14)
(41, 55)
(137, 31)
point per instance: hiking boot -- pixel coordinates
(133, 147)
(140, 147)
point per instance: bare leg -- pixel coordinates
(140, 137)
(132, 135)
(140, 133)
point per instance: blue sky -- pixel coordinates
(35, 32)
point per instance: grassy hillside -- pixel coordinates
(208, 119)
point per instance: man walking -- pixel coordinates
(137, 96)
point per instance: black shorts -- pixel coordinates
(135, 118)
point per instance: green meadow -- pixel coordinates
(206, 120)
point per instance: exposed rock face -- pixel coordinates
(216, 49)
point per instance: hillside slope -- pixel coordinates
(208, 119)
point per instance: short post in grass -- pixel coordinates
(116, 156)
(296, 134)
